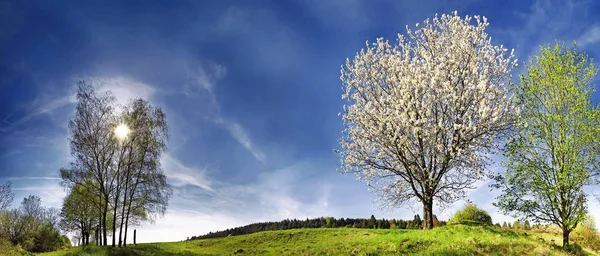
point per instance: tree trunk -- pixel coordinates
(100, 241)
(427, 213)
(127, 177)
(566, 237)
(134, 235)
(114, 229)
(125, 237)
(127, 222)
(82, 230)
(104, 213)
(123, 218)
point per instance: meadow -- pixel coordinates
(447, 240)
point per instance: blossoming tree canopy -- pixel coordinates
(423, 114)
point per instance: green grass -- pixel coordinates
(448, 240)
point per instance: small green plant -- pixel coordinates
(471, 215)
(586, 235)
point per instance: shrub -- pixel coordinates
(471, 215)
(586, 235)
(47, 238)
(66, 242)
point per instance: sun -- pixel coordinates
(121, 131)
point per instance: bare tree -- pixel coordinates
(6, 195)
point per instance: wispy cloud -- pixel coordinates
(50, 192)
(241, 136)
(340, 14)
(43, 104)
(123, 88)
(590, 36)
(29, 178)
(274, 195)
(181, 175)
(204, 78)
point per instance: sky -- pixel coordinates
(251, 90)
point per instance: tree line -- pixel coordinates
(322, 222)
(116, 180)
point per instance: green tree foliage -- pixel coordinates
(517, 225)
(31, 226)
(470, 214)
(78, 213)
(372, 222)
(553, 154)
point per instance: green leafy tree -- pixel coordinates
(78, 213)
(552, 156)
(417, 222)
(517, 225)
(372, 222)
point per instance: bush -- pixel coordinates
(586, 235)
(8, 248)
(66, 242)
(47, 238)
(471, 215)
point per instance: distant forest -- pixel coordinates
(323, 222)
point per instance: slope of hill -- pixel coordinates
(447, 240)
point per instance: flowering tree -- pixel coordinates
(423, 114)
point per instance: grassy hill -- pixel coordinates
(447, 240)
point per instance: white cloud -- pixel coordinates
(41, 105)
(590, 36)
(49, 190)
(181, 175)
(31, 178)
(273, 197)
(340, 14)
(241, 136)
(204, 77)
(178, 225)
(124, 89)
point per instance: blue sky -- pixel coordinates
(251, 90)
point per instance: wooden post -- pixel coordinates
(134, 236)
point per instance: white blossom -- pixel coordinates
(423, 114)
